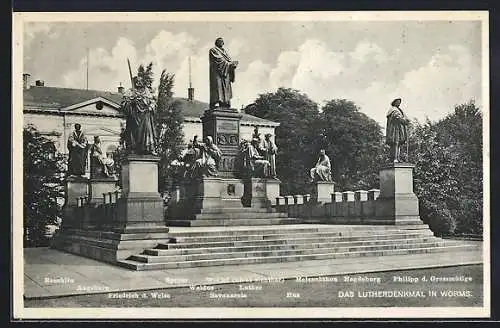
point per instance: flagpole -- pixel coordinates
(87, 68)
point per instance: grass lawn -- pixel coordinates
(396, 289)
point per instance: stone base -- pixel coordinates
(140, 174)
(106, 245)
(99, 186)
(214, 193)
(256, 193)
(322, 191)
(76, 187)
(272, 190)
(142, 212)
(397, 202)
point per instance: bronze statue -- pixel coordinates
(78, 149)
(201, 159)
(397, 129)
(100, 164)
(253, 163)
(270, 150)
(323, 170)
(138, 106)
(222, 74)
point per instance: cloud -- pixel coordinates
(34, 29)
(366, 50)
(244, 93)
(106, 68)
(367, 74)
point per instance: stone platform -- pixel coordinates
(221, 246)
(223, 201)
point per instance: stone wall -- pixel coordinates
(393, 203)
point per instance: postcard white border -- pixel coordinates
(232, 313)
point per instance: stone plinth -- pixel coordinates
(208, 193)
(256, 193)
(141, 207)
(397, 201)
(76, 187)
(322, 191)
(272, 190)
(99, 186)
(224, 127)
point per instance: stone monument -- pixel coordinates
(396, 130)
(140, 207)
(102, 175)
(321, 177)
(226, 189)
(76, 184)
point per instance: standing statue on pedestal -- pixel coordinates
(323, 170)
(222, 74)
(100, 164)
(78, 149)
(270, 153)
(397, 129)
(138, 106)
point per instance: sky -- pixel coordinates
(431, 65)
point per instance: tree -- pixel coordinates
(297, 136)
(448, 171)
(169, 120)
(43, 172)
(354, 143)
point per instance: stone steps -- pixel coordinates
(292, 235)
(288, 229)
(230, 222)
(284, 246)
(295, 239)
(236, 210)
(135, 265)
(240, 215)
(282, 252)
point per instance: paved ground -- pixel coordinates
(332, 291)
(50, 273)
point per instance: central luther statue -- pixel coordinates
(222, 74)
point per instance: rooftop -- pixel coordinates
(53, 98)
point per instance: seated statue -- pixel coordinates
(100, 164)
(322, 170)
(254, 163)
(202, 159)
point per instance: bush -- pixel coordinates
(43, 185)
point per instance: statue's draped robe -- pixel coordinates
(140, 133)
(322, 170)
(207, 163)
(396, 130)
(78, 149)
(221, 76)
(270, 151)
(100, 159)
(254, 162)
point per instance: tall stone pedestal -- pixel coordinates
(140, 209)
(224, 127)
(76, 187)
(114, 231)
(322, 191)
(397, 202)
